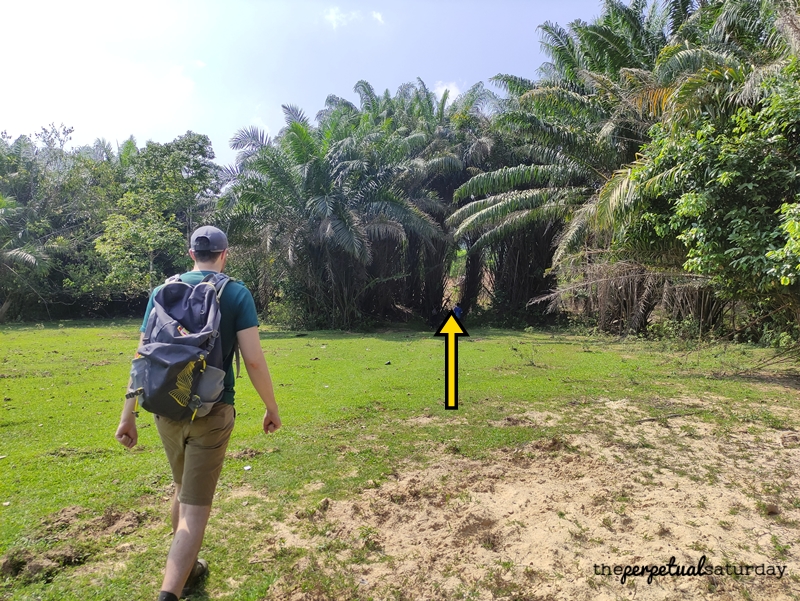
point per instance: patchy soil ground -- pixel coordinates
(68, 538)
(551, 520)
(540, 522)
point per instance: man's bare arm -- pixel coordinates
(127, 434)
(257, 370)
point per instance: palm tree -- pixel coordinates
(720, 59)
(607, 83)
(19, 255)
(443, 144)
(452, 142)
(410, 150)
(571, 131)
(327, 197)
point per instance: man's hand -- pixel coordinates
(127, 435)
(272, 421)
(253, 355)
(126, 431)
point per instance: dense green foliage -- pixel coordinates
(652, 164)
(721, 190)
(89, 230)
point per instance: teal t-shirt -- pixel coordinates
(237, 312)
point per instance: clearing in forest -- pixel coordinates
(569, 457)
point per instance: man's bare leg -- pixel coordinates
(175, 510)
(185, 546)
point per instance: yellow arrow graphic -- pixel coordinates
(451, 329)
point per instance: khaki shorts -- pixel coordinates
(196, 450)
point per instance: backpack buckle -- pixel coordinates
(195, 404)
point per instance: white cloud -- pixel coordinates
(441, 86)
(259, 122)
(377, 16)
(337, 18)
(199, 64)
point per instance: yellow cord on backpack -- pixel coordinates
(202, 370)
(134, 394)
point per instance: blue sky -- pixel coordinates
(155, 69)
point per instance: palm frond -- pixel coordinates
(493, 210)
(441, 112)
(321, 206)
(347, 233)
(414, 143)
(616, 199)
(679, 12)
(558, 44)
(510, 178)
(430, 205)
(294, 114)
(300, 142)
(569, 138)
(660, 183)
(754, 88)
(444, 165)
(383, 228)
(281, 171)
(249, 138)
(512, 84)
(390, 203)
(562, 102)
(20, 256)
(711, 91)
(548, 214)
(336, 102)
(576, 232)
(609, 51)
(478, 151)
(365, 91)
(676, 62)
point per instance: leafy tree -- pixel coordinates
(69, 204)
(721, 191)
(139, 245)
(179, 177)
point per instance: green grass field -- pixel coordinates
(94, 515)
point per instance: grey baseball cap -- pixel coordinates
(209, 238)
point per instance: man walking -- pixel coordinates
(196, 449)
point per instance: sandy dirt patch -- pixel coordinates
(540, 522)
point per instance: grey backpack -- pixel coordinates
(177, 372)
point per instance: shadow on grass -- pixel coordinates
(787, 379)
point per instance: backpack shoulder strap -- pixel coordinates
(237, 356)
(220, 281)
(220, 284)
(151, 317)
